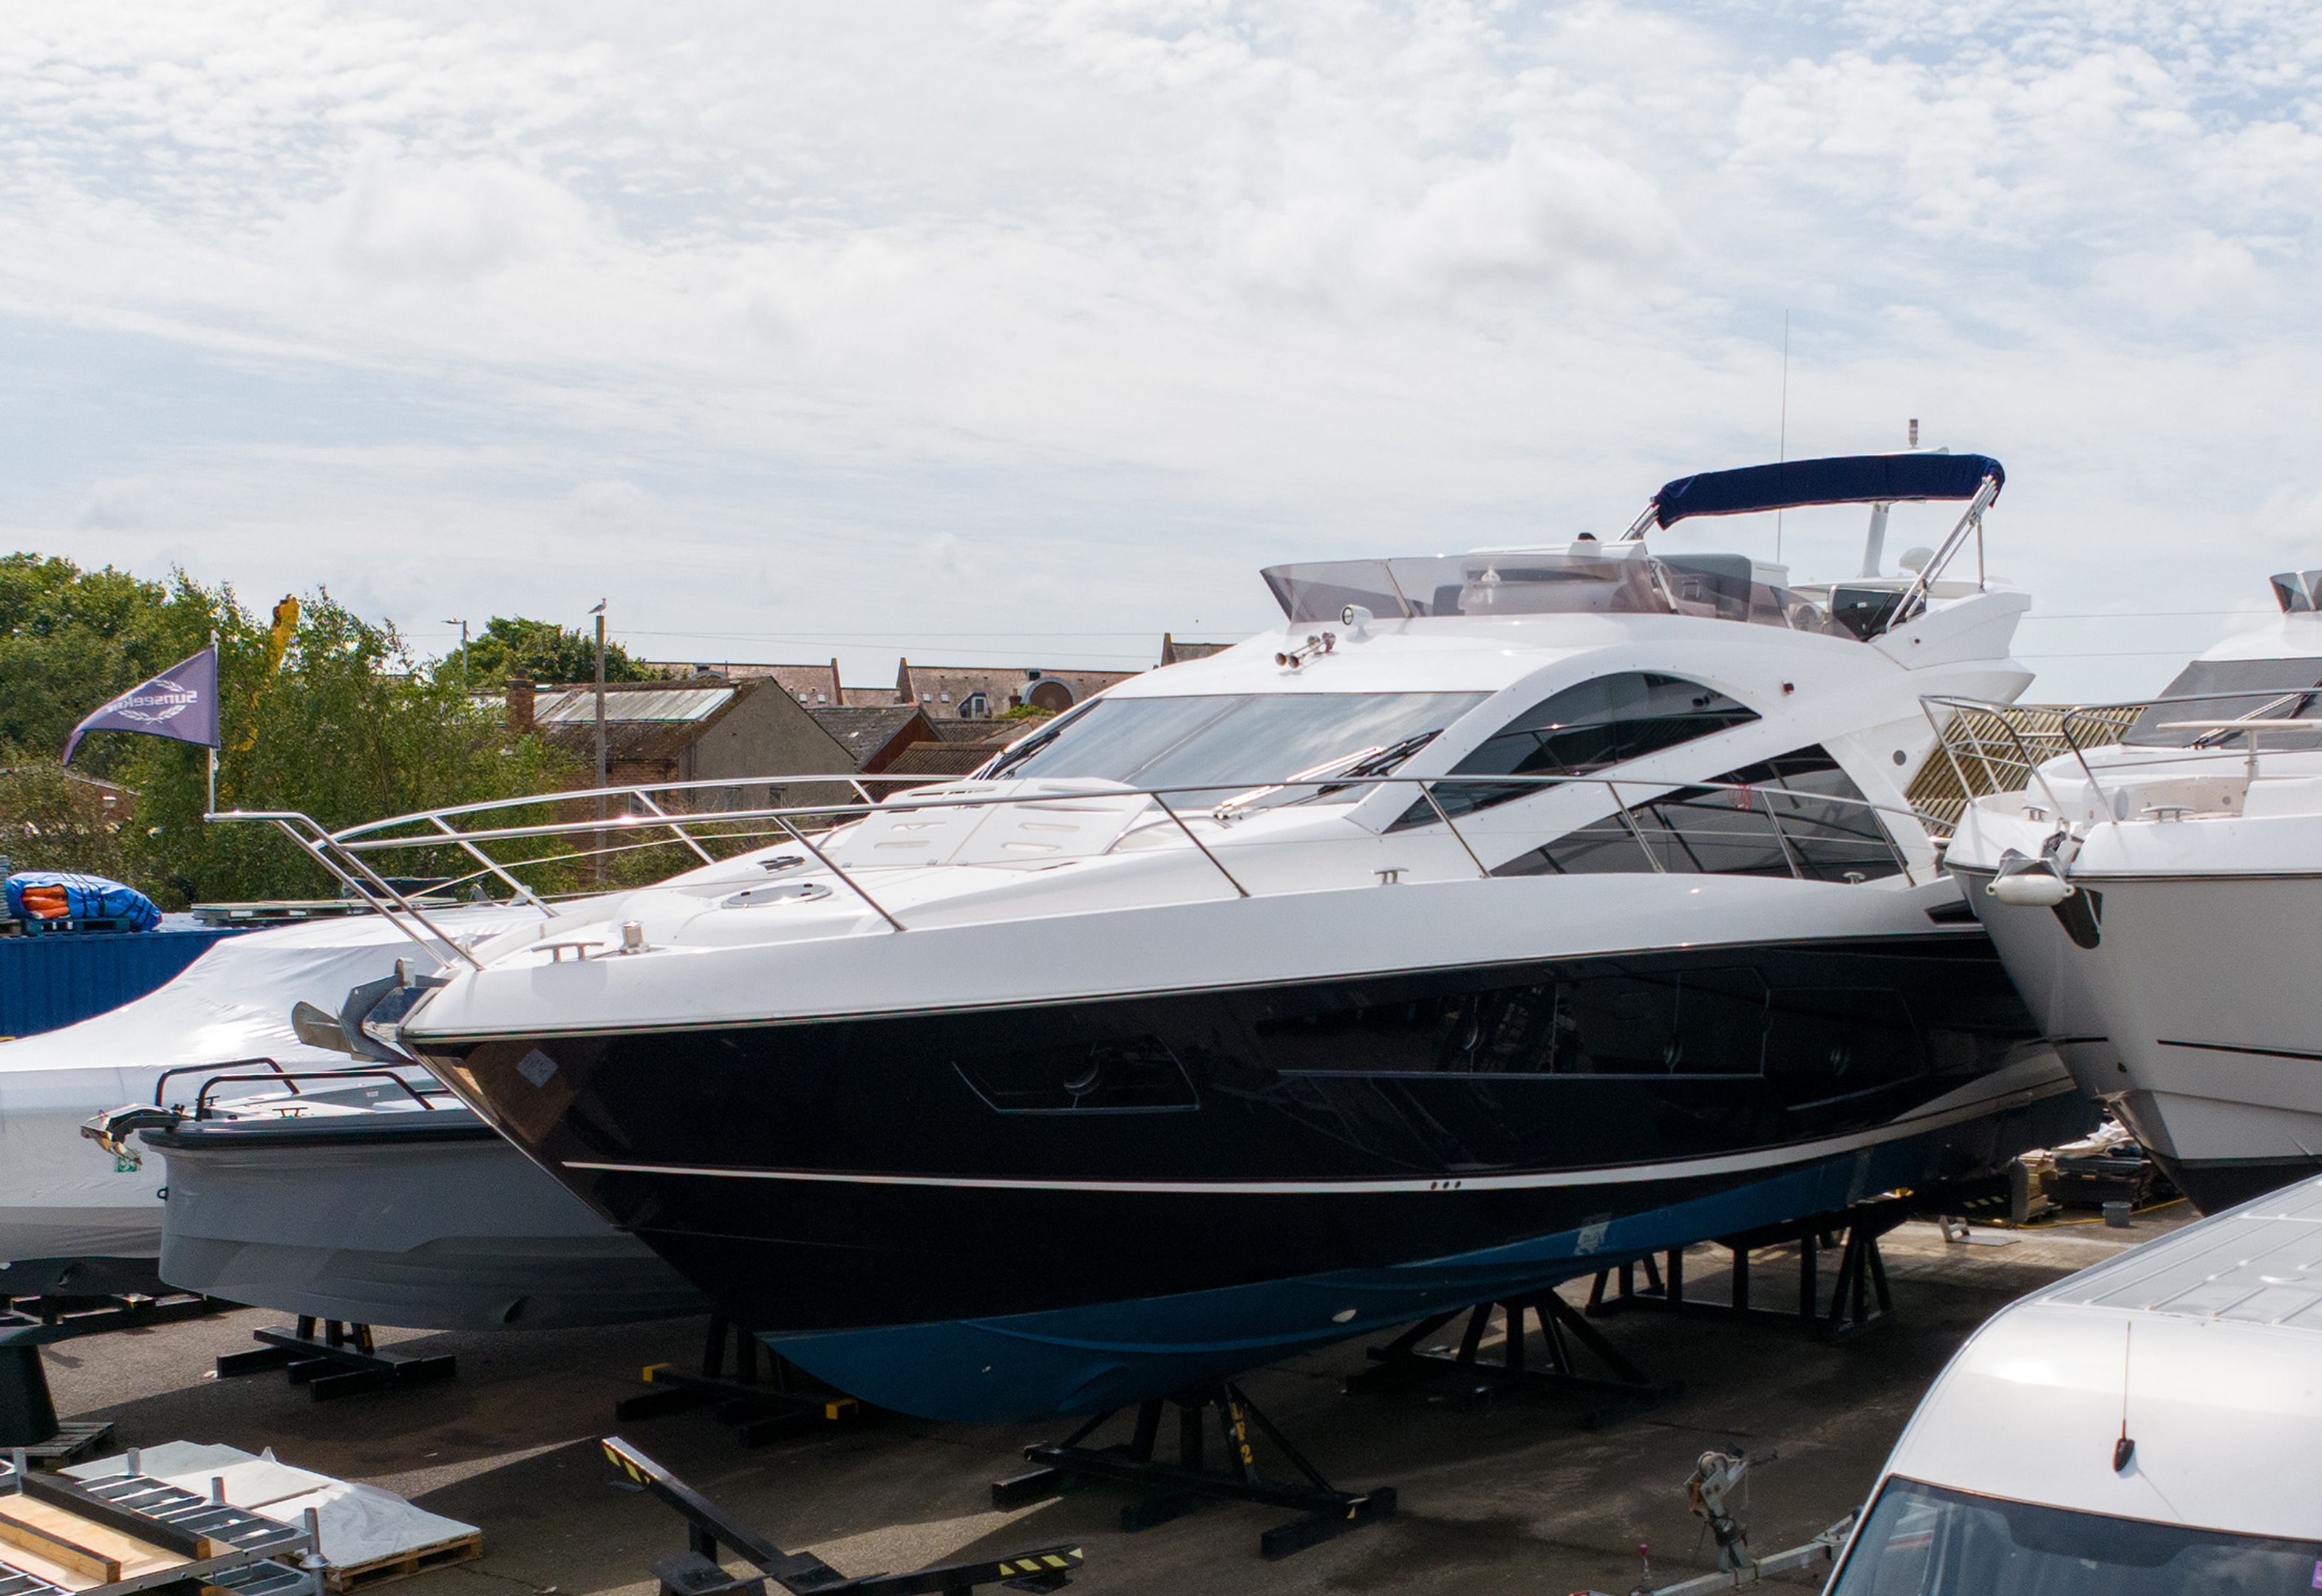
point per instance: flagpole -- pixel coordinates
(213, 807)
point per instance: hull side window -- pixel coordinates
(1699, 1022)
(1125, 1074)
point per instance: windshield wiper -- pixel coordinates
(2297, 700)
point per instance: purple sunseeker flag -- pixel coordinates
(182, 703)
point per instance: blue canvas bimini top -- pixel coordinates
(1840, 479)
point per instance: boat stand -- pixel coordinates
(695, 1571)
(756, 1411)
(1410, 1360)
(1859, 1301)
(86, 1315)
(1177, 1489)
(28, 1413)
(340, 1362)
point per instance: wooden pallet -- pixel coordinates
(382, 1571)
(75, 1439)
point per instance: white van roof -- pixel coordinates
(2211, 1336)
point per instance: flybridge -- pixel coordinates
(1620, 578)
(1587, 579)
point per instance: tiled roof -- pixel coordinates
(941, 758)
(1175, 653)
(994, 731)
(865, 731)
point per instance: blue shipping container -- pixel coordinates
(54, 978)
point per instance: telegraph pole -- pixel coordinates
(603, 764)
(462, 625)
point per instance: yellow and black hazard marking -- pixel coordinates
(1055, 1562)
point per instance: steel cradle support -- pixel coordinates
(756, 1410)
(1860, 1298)
(1174, 1490)
(1413, 1356)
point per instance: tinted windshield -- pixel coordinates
(1222, 743)
(2211, 690)
(1922, 1540)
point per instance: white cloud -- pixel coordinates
(1129, 294)
(112, 506)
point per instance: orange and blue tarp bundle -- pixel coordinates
(48, 894)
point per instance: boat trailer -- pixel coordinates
(1709, 1490)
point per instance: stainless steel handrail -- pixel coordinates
(202, 1104)
(2076, 725)
(368, 883)
(353, 842)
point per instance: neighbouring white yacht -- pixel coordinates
(67, 1214)
(2156, 889)
(297, 1178)
(1497, 916)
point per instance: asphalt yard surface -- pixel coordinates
(1508, 1494)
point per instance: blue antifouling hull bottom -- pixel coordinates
(1090, 1360)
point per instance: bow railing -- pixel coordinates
(1654, 825)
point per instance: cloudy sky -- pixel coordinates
(1023, 333)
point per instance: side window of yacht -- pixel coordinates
(1853, 1038)
(1120, 1074)
(1590, 726)
(1707, 1022)
(1795, 815)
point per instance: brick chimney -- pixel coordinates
(520, 703)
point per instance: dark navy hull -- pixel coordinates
(1092, 1360)
(848, 1174)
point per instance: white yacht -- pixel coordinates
(2156, 889)
(1495, 915)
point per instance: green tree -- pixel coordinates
(349, 728)
(511, 645)
(51, 818)
(70, 640)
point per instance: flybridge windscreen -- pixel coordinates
(1714, 587)
(2196, 709)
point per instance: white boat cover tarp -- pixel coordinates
(61, 1196)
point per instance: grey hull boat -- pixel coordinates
(370, 1203)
